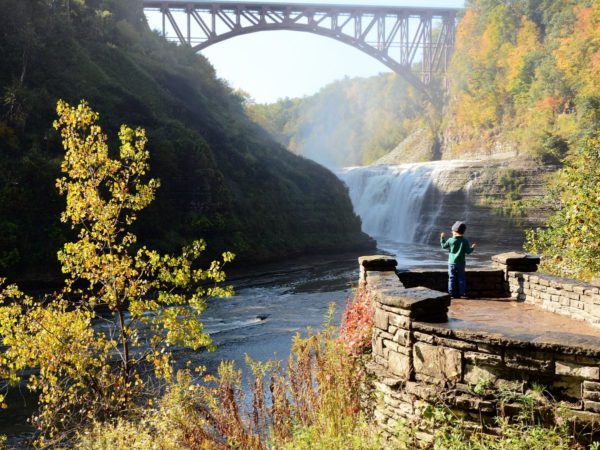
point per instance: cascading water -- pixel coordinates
(405, 207)
(390, 199)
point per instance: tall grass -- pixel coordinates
(313, 401)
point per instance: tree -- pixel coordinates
(570, 244)
(578, 52)
(95, 345)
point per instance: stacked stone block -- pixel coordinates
(420, 360)
(481, 283)
(515, 261)
(574, 299)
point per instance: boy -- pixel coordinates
(458, 247)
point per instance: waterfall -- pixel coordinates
(390, 200)
(405, 207)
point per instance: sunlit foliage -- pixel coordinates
(94, 347)
(570, 242)
(524, 76)
(356, 331)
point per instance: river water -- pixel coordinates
(273, 303)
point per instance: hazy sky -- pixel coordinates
(275, 64)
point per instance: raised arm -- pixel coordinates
(443, 241)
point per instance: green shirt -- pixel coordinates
(458, 247)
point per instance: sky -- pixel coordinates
(271, 65)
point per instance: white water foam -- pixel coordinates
(401, 205)
(390, 200)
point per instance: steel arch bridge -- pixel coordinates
(398, 36)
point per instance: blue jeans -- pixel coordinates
(457, 283)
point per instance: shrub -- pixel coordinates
(313, 404)
(357, 323)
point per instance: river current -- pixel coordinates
(273, 303)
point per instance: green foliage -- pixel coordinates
(513, 437)
(511, 184)
(149, 301)
(214, 162)
(529, 428)
(349, 122)
(570, 243)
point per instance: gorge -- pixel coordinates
(228, 178)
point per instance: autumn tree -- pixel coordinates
(94, 347)
(578, 51)
(524, 74)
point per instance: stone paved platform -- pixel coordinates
(520, 321)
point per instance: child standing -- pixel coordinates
(458, 247)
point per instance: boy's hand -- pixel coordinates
(474, 245)
(443, 235)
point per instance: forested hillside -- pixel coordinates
(349, 122)
(525, 77)
(222, 177)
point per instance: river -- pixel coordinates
(274, 302)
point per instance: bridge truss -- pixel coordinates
(403, 38)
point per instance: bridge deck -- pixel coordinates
(349, 8)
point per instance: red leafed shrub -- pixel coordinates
(357, 323)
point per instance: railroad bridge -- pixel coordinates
(415, 42)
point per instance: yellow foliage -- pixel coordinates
(466, 31)
(152, 300)
(578, 53)
(527, 42)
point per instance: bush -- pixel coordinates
(313, 404)
(357, 323)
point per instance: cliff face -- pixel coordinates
(489, 195)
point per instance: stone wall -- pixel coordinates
(571, 298)
(420, 359)
(482, 283)
(579, 301)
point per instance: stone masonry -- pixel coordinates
(571, 298)
(421, 358)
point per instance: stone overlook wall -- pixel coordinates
(577, 300)
(422, 359)
(482, 283)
